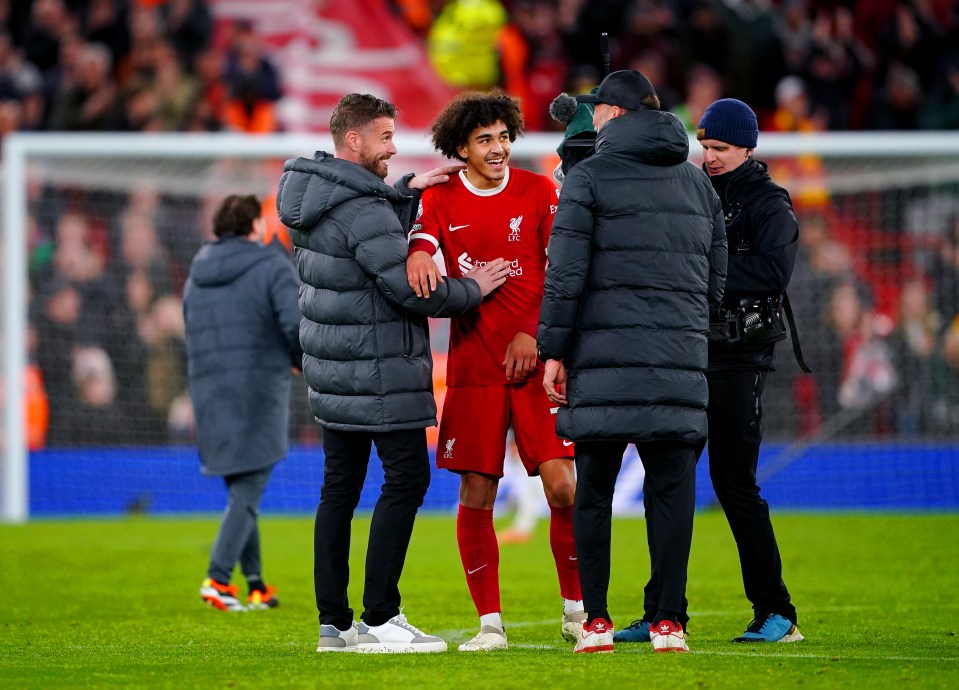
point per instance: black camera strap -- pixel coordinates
(794, 334)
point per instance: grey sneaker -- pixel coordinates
(396, 636)
(332, 639)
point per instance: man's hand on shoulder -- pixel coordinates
(435, 176)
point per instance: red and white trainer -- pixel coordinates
(596, 637)
(667, 636)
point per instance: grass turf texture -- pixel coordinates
(114, 603)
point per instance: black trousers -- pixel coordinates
(670, 487)
(735, 433)
(406, 470)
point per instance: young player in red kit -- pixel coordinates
(493, 377)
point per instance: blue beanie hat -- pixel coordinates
(730, 121)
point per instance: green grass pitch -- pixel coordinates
(113, 603)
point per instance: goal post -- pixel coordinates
(881, 193)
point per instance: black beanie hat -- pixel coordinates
(730, 121)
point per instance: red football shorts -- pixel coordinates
(476, 420)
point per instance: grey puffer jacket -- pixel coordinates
(636, 258)
(239, 306)
(364, 331)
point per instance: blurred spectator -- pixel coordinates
(793, 112)
(703, 87)
(897, 103)
(162, 331)
(107, 22)
(95, 418)
(914, 347)
(21, 84)
(253, 84)
(87, 97)
(50, 22)
(188, 25)
(833, 67)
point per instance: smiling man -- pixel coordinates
(367, 362)
(490, 210)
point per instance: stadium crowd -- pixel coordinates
(105, 313)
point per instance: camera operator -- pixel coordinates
(763, 237)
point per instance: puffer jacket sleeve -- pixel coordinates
(718, 260)
(569, 259)
(382, 254)
(284, 295)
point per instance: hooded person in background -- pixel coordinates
(637, 258)
(242, 324)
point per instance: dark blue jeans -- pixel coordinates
(406, 470)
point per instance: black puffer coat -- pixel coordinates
(636, 257)
(364, 331)
(763, 236)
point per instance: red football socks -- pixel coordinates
(564, 552)
(480, 555)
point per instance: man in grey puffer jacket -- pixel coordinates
(636, 258)
(367, 361)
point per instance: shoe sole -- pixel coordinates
(486, 647)
(218, 604)
(401, 648)
(794, 636)
(600, 649)
(572, 631)
(336, 649)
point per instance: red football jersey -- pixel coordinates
(472, 227)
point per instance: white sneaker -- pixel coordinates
(332, 639)
(667, 636)
(488, 639)
(396, 636)
(573, 625)
(597, 638)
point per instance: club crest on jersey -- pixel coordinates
(514, 229)
(449, 448)
(419, 211)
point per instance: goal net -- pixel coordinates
(99, 231)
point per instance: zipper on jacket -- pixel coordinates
(408, 339)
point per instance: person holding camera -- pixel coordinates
(763, 237)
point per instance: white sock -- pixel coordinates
(493, 619)
(571, 605)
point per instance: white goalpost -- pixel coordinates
(917, 173)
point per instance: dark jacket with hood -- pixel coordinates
(242, 326)
(636, 258)
(364, 331)
(763, 237)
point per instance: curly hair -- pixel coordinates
(472, 109)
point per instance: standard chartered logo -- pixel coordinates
(467, 264)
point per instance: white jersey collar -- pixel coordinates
(485, 192)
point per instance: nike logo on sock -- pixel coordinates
(474, 570)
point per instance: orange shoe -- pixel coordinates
(262, 597)
(218, 595)
(513, 536)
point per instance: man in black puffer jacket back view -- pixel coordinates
(637, 258)
(367, 361)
